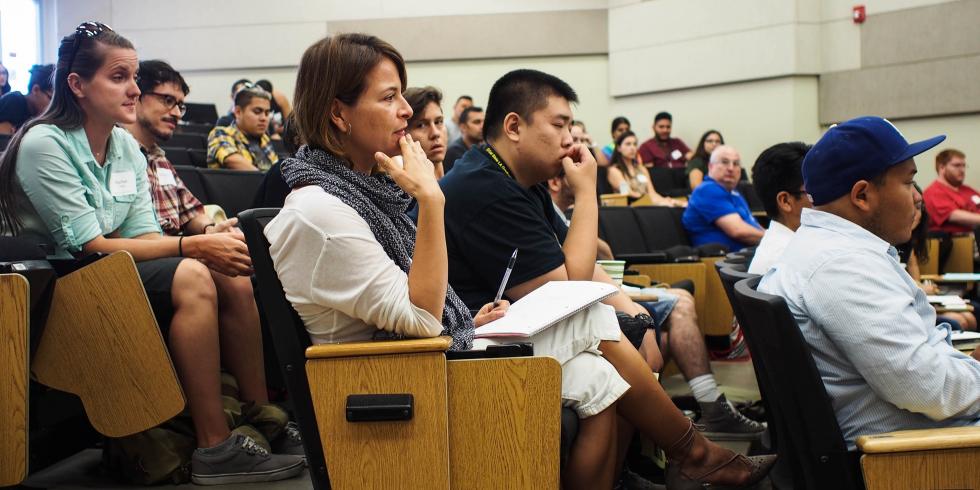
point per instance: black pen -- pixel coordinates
(503, 283)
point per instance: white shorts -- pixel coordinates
(589, 383)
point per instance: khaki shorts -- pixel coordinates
(589, 383)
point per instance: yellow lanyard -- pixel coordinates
(496, 159)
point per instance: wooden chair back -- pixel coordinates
(101, 342)
(14, 332)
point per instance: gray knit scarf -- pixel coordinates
(383, 204)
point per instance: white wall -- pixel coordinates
(748, 68)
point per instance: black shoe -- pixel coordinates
(722, 421)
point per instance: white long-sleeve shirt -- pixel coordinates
(336, 274)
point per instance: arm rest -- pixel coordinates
(637, 280)
(920, 440)
(382, 347)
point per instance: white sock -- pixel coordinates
(705, 388)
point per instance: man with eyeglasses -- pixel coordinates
(158, 110)
(17, 108)
(244, 145)
(778, 180)
(952, 205)
(716, 212)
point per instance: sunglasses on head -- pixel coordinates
(88, 30)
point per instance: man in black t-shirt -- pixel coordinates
(496, 201)
(17, 108)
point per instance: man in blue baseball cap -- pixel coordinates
(873, 335)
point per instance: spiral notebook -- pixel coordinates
(546, 306)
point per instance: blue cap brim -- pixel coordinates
(919, 147)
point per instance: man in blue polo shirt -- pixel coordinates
(716, 212)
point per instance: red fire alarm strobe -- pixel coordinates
(858, 14)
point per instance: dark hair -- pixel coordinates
(42, 76)
(6, 83)
(617, 158)
(83, 55)
(943, 157)
(419, 97)
(465, 115)
(244, 96)
(154, 73)
(663, 115)
(523, 92)
(290, 138)
(265, 84)
(699, 151)
(919, 241)
(240, 81)
(576, 122)
(619, 120)
(336, 67)
(463, 97)
(779, 168)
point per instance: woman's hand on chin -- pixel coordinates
(488, 313)
(416, 175)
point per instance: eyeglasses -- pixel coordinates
(169, 101)
(88, 30)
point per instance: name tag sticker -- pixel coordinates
(975, 199)
(166, 177)
(676, 155)
(123, 183)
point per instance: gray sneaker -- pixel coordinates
(723, 422)
(290, 441)
(240, 460)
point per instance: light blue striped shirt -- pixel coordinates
(873, 335)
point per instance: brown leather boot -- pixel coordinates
(695, 462)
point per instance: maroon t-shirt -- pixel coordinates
(669, 154)
(942, 200)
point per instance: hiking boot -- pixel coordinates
(240, 460)
(290, 441)
(722, 421)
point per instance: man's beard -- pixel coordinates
(157, 135)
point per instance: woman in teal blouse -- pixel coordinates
(75, 181)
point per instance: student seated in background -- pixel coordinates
(73, 180)
(229, 117)
(563, 198)
(243, 145)
(452, 124)
(915, 250)
(953, 206)
(280, 108)
(471, 133)
(620, 125)
(697, 166)
(778, 179)
(873, 335)
(716, 212)
(353, 264)
(662, 150)
(629, 176)
(158, 110)
(16, 108)
(496, 201)
(427, 124)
